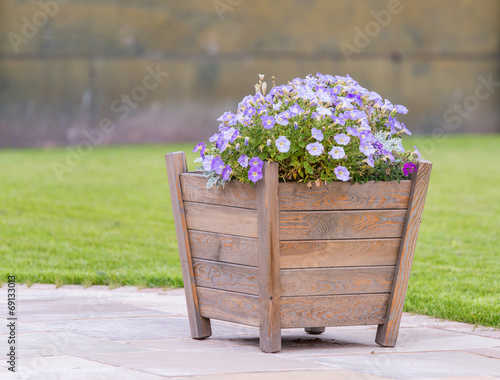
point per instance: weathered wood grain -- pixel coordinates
(344, 196)
(221, 219)
(302, 225)
(344, 310)
(269, 259)
(225, 248)
(330, 281)
(338, 253)
(229, 306)
(238, 194)
(387, 333)
(176, 164)
(237, 278)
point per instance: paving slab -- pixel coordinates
(291, 375)
(175, 363)
(59, 343)
(416, 365)
(73, 332)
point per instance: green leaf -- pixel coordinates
(308, 168)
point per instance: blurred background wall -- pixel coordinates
(151, 71)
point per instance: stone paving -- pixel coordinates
(125, 333)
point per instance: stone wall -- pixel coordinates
(161, 71)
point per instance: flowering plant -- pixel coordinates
(319, 129)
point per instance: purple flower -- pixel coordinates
(338, 120)
(217, 165)
(401, 109)
(315, 149)
(295, 125)
(323, 111)
(317, 134)
(250, 111)
(369, 161)
(202, 147)
(283, 144)
(417, 152)
(226, 172)
(207, 162)
(246, 140)
(408, 168)
(342, 139)
(342, 173)
(243, 160)
(231, 134)
(296, 110)
(337, 152)
(256, 162)
(281, 119)
(365, 136)
(268, 121)
(352, 131)
(367, 149)
(255, 173)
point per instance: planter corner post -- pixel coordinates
(269, 259)
(387, 333)
(199, 325)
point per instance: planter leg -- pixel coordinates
(200, 326)
(314, 330)
(387, 333)
(269, 259)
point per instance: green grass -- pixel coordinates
(110, 222)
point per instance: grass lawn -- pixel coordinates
(110, 222)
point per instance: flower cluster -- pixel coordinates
(321, 128)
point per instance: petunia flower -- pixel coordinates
(243, 160)
(317, 134)
(337, 152)
(202, 147)
(281, 119)
(315, 149)
(367, 149)
(369, 161)
(207, 162)
(226, 172)
(342, 173)
(417, 152)
(256, 162)
(342, 139)
(255, 173)
(268, 121)
(217, 165)
(283, 144)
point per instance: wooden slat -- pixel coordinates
(345, 196)
(176, 164)
(269, 259)
(387, 332)
(221, 219)
(226, 248)
(338, 253)
(238, 194)
(303, 225)
(237, 278)
(229, 306)
(330, 281)
(345, 310)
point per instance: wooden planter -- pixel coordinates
(281, 255)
